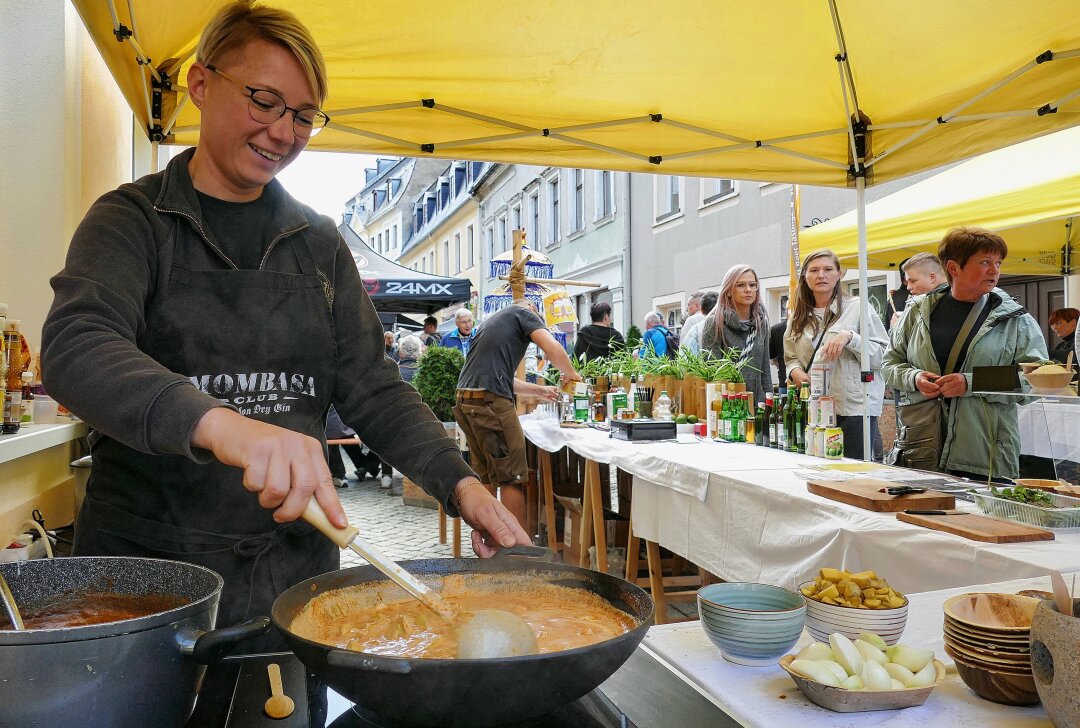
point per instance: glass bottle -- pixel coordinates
(12, 378)
(662, 410)
(759, 424)
(766, 412)
(27, 398)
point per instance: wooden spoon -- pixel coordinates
(278, 705)
(1062, 599)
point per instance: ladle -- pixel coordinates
(9, 604)
(489, 633)
(278, 705)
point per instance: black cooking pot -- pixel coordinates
(127, 674)
(427, 692)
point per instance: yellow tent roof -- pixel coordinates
(1029, 192)
(749, 89)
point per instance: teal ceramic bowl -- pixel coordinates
(751, 624)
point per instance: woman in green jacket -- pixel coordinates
(982, 438)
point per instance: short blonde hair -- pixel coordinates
(241, 22)
(927, 262)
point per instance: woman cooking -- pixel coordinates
(204, 323)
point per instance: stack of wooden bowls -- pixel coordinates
(988, 637)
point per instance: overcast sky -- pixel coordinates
(326, 180)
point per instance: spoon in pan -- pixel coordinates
(488, 633)
(9, 604)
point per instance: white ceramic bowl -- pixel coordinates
(824, 619)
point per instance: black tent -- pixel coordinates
(396, 289)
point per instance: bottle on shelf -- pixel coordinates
(751, 431)
(759, 424)
(777, 434)
(27, 398)
(766, 413)
(716, 406)
(12, 378)
(801, 417)
(662, 408)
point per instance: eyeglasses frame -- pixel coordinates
(252, 90)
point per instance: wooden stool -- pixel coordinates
(455, 547)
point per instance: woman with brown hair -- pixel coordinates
(824, 329)
(739, 322)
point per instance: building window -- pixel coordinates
(579, 199)
(457, 252)
(393, 238)
(378, 244)
(533, 234)
(605, 194)
(715, 189)
(423, 264)
(470, 247)
(432, 266)
(491, 241)
(668, 203)
(553, 211)
(446, 258)
(503, 241)
(515, 218)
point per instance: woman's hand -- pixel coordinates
(285, 468)
(834, 347)
(493, 525)
(798, 376)
(952, 385)
(927, 383)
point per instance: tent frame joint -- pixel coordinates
(656, 159)
(1046, 109)
(122, 33)
(427, 103)
(427, 148)
(1044, 57)
(656, 118)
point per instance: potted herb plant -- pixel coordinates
(436, 380)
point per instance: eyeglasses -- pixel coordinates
(266, 107)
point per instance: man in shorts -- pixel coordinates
(485, 398)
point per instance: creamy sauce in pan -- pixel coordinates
(562, 618)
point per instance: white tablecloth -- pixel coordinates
(765, 526)
(1050, 429)
(751, 695)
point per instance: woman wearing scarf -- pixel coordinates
(739, 322)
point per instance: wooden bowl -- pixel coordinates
(1029, 366)
(970, 662)
(998, 687)
(1049, 381)
(988, 612)
(993, 660)
(1040, 483)
(990, 639)
(992, 647)
(861, 701)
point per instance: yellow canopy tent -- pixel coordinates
(746, 89)
(824, 92)
(1030, 192)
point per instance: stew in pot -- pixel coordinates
(376, 619)
(79, 609)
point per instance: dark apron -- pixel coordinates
(262, 341)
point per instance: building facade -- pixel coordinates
(381, 212)
(686, 232)
(445, 228)
(578, 218)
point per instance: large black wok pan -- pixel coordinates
(426, 692)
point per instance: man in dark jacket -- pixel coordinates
(596, 339)
(1063, 322)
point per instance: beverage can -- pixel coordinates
(819, 380)
(813, 411)
(834, 443)
(819, 441)
(827, 412)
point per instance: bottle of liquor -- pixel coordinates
(716, 421)
(12, 378)
(751, 430)
(802, 416)
(759, 424)
(766, 421)
(776, 435)
(725, 417)
(738, 422)
(793, 419)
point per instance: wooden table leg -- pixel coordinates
(656, 582)
(633, 548)
(545, 465)
(456, 548)
(585, 537)
(596, 501)
(442, 525)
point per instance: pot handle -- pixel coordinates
(208, 647)
(535, 553)
(364, 661)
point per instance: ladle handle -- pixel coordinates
(316, 516)
(274, 671)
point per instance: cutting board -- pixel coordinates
(863, 493)
(979, 528)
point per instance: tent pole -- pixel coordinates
(864, 313)
(153, 157)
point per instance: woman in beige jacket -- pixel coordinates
(824, 328)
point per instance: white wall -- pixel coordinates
(67, 138)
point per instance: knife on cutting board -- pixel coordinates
(935, 513)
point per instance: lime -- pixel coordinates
(681, 420)
(691, 419)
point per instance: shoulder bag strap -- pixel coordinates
(965, 334)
